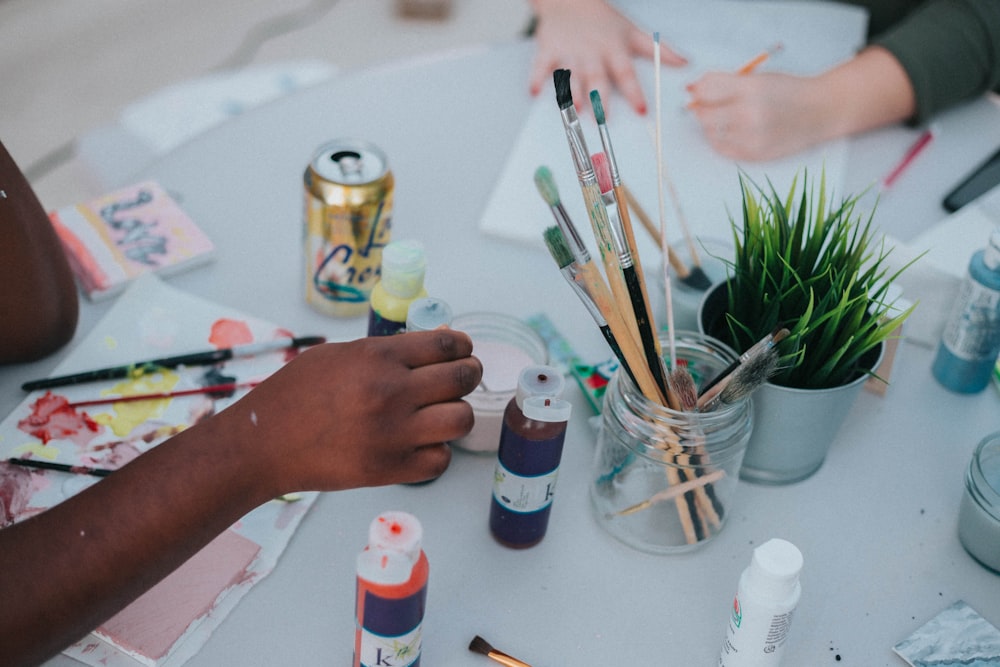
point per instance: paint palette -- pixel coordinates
(173, 620)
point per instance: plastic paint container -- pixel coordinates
(505, 345)
(979, 513)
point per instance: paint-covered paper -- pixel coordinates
(138, 229)
(150, 320)
(957, 637)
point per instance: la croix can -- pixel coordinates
(347, 222)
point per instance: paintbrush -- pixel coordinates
(205, 358)
(559, 249)
(61, 467)
(216, 390)
(634, 282)
(759, 59)
(599, 221)
(718, 383)
(480, 645)
(588, 276)
(699, 281)
(746, 379)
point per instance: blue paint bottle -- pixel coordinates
(391, 595)
(531, 442)
(971, 339)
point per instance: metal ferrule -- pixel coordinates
(617, 230)
(577, 145)
(572, 236)
(571, 273)
(616, 178)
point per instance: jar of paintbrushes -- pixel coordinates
(663, 480)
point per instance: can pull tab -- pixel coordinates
(349, 162)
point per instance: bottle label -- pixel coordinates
(523, 494)
(401, 651)
(974, 333)
(754, 637)
(390, 632)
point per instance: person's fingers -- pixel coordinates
(641, 46)
(445, 381)
(624, 77)
(441, 422)
(422, 348)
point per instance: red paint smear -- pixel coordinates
(51, 418)
(229, 333)
(291, 352)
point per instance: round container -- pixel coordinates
(663, 480)
(979, 513)
(505, 345)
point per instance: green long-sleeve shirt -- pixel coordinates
(950, 49)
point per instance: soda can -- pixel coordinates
(347, 222)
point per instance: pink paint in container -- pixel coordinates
(505, 345)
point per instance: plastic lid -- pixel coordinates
(546, 409)
(403, 267)
(991, 256)
(393, 548)
(539, 380)
(774, 569)
(428, 313)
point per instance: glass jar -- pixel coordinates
(505, 345)
(979, 513)
(663, 480)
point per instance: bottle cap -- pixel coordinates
(393, 548)
(428, 313)
(404, 264)
(547, 409)
(539, 380)
(991, 256)
(774, 569)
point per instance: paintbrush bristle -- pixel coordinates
(546, 185)
(480, 645)
(564, 95)
(556, 243)
(603, 170)
(683, 386)
(750, 375)
(595, 101)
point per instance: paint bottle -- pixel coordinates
(970, 343)
(391, 593)
(427, 313)
(761, 616)
(531, 442)
(402, 281)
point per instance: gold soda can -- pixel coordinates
(348, 220)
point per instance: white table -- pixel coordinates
(877, 524)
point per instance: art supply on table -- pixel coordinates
(601, 227)
(761, 616)
(979, 511)
(428, 313)
(404, 264)
(759, 59)
(505, 345)
(483, 647)
(347, 218)
(391, 592)
(957, 636)
(203, 358)
(528, 456)
(591, 378)
(42, 464)
(908, 158)
(970, 342)
(648, 452)
(224, 390)
(135, 230)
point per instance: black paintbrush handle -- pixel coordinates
(646, 334)
(61, 467)
(613, 343)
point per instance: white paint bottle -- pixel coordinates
(761, 616)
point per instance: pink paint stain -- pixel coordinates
(51, 418)
(229, 333)
(16, 489)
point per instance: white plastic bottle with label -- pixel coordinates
(761, 616)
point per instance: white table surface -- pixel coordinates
(876, 524)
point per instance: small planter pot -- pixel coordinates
(793, 428)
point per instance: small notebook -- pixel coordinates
(138, 229)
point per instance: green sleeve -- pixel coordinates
(950, 49)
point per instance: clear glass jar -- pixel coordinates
(663, 480)
(979, 513)
(505, 345)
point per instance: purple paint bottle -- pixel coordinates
(391, 597)
(531, 442)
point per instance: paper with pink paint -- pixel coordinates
(150, 320)
(135, 230)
